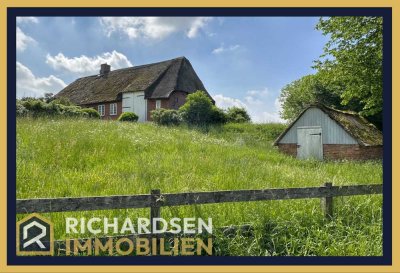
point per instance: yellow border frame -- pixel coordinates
(197, 3)
(28, 253)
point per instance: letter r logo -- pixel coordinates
(35, 236)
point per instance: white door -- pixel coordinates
(135, 102)
(309, 142)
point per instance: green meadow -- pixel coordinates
(81, 157)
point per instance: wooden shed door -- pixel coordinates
(309, 142)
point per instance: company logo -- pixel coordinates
(35, 236)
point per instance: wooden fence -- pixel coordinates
(155, 200)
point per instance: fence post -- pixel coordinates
(155, 212)
(327, 202)
(155, 208)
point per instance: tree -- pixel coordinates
(353, 57)
(307, 90)
(199, 110)
(217, 116)
(237, 115)
(48, 97)
(349, 73)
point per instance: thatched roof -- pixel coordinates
(158, 80)
(365, 133)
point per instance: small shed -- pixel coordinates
(321, 132)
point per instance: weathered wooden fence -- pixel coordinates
(155, 200)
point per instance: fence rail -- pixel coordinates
(155, 200)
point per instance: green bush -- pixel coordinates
(72, 111)
(63, 101)
(237, 115)
(35, 107)
(92, 113)
(51, 109)
(21, 110)
(166, 117)
(128, 116)
(48, 97)
(199, 110)
(27, 98)
(217, 116)
(39, 108)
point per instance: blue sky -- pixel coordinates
(242, 61)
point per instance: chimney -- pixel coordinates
(104, 69)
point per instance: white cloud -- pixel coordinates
(256, 97)
(87, 65)
(27, 19)
(23, 40)
(260, 93)
(278, 105)
(223, 49)
(258, 104)
(197, 24)
(28, 85)
(253, 101)
(226, 102)
(155, 28)
(270, 116)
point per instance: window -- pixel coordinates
(101, 109)
(158, 104)
(113, 109)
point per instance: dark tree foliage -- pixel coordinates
(349, 73)
(308, 90)
(199, 110)
(237, 115)
(353, 57)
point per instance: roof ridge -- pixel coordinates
(346, 112)
(135, 67)
(160, 76)
(179, 72)
(150, 64)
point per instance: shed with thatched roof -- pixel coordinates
(324, 133)
(138, 89)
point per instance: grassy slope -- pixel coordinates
(85, 158)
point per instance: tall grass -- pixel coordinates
(77, 157)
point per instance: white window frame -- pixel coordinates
(101, 108)
(113, 109)
(158, 104)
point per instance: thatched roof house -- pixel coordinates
(323, 132)
(138, 89)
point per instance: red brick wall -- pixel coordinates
(151, 105)
(352, 152)
(340, 151)
(289, 149)
(107, 109)
(175, 100)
